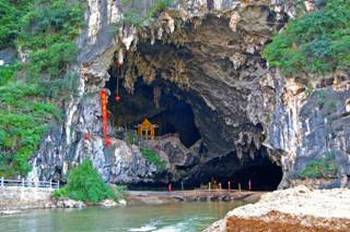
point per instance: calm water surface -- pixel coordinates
(180, 217)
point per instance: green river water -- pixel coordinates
(180, 217)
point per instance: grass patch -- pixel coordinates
(153, 158)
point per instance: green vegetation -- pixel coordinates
(23, 116)
(85, 184)
(7, 72)
(119, 192)
(31, 91)
(10, 14)
(318, 42)
(321, 168)
(45, 30)
(325, 102)
(153, 158)
(48, 31)
(136, 17)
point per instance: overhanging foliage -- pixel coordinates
(318, 42)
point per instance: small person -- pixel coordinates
(170, 187)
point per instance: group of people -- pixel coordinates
(213, 184)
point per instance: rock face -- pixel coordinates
(207, 54)
(308, 126)
(295, 209)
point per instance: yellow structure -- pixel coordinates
(146, 129)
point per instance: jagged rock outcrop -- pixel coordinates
(309, 124)
(208, 54)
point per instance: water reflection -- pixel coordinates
(188, 217)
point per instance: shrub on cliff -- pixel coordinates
(318, 42)
(85, 184)
(321, 168)
(22, 124)
(135, 15)
(153, 158)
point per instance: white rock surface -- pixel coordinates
(69, 203)
(307, 207)
(333, 203)
(122, 202)
(108, 203)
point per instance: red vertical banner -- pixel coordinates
(104, 101)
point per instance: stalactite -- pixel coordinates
(179, 74)
(156, 95)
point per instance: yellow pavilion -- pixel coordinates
(146, 129)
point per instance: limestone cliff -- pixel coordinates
(208, 55)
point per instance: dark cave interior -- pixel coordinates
(263, 174)
(263, 178)
(172, 114)
(168, 106)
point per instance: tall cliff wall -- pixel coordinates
(208, 54)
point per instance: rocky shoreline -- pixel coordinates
(15, 200)
(151, 198)
(295, 209)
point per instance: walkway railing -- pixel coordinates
(27, 183)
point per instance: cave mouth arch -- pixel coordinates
(188, 113)
(264, 174)
(170, 111)
(173, 112)
(265, 177)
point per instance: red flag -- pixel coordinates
(104, 101)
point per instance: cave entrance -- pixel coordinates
(178, 119)
(264, 174)
(162, 103)
(264, 177)
(170, 110)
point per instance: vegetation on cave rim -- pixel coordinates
(85, 184)
(136, 17)
(325, 101)
(29, 92)
(321, 168)
(153, 158)
(318, 42)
